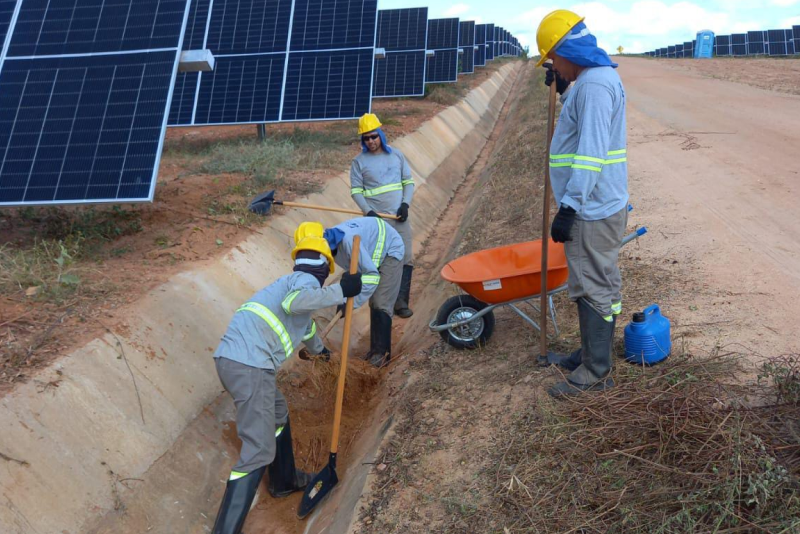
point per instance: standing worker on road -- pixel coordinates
(381, 182)
(263, 333)
(380, 264)
(589, 175)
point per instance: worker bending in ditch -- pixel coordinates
(381, 182)
(380, 264)
(589, 175)
(263, 333)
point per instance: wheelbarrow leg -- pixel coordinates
(524, 316)
(553, 314)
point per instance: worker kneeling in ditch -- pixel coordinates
(380, 264)
(589, 175)
(381, 182)
(263, 333)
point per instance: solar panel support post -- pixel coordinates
(262, 132)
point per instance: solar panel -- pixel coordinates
(480, 45)
(687, 49)
(671, 51)
(776, 42)
(679, 50)
(755, 43)
(281, 61)
(790, 43)
(403, 34)
(443, 39)
(739, 44)
(498, 41)
(489, 42)
(466, 42)
(84, 93)
(722, 45)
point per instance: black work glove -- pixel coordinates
(304, 354)
(402, 212)
(561, 229)
(351, 285)
(552, 76)
(341, 308)
(372, 213)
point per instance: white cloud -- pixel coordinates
(785, 3)
(788, 23)
(456, 10)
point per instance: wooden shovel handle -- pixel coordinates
(348, 319)
(331, 324)
(335, 210)
(543, 302)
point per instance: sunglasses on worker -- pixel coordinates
(369, 137)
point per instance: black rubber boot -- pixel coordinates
(284, 477)
(380, 351)
(401, 308)
(571, 361)
(596, 347)
(236, 503)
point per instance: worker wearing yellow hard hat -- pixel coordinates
(381, 182)
(589, 175)
(264, 332)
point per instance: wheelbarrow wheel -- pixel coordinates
(471, 335)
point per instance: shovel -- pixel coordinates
(262, 205)
(326, 480)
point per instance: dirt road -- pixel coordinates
(714, 174)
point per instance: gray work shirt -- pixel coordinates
(265, 339)
(588, 155)
(381, 181)
(378, 240)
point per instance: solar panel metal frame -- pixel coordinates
(722, 45)
(87, 57)
(776, 43)
(755, 43)
(287, 54)
(396, 51)
(480, 45)
(444, 51)
(466, 44)
(498, 41)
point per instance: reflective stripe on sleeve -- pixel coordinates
(410, 181)
(312, 333)
(371, 279)
(357, 191)
(383, 189)
(287, 302)
(377, 254)
(587, 167)
(273, 322)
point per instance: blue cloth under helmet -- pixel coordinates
(384, 144)
(580, 47)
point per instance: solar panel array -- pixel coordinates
(776, 42)
(466, 42)
(279, 61)
(84, 93)
(88, 87)
(443, 40)
(403, 34)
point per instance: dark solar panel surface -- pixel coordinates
(480, 43)
(755, 43)
(403, 34)
(466, 41)
(84, 128)
(333, 25)
(402, 29)
(400, 74)
(93, 26)
(6, 13)
(443, 33)
(443, 38)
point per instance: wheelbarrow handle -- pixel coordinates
(635, 235)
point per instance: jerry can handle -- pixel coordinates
(652, 309)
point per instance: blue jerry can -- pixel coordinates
(647, 337)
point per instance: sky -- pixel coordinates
(637, 26)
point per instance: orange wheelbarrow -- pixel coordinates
(503, 276)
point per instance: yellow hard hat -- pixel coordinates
(554, 27)
(367, 123)
(309, 236)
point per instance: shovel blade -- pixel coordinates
(262, 204)
(318, 489)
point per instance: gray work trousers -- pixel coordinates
(260, 409)
(404, 229)
(593, 260)
(385, 295)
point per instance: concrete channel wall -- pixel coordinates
(80, 440)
